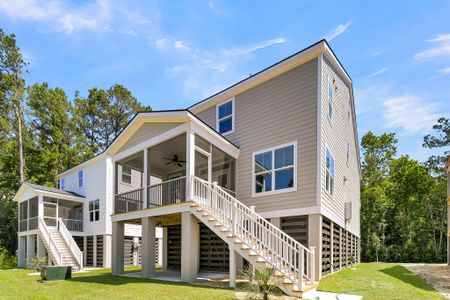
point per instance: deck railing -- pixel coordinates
(129, 201)
(73, 224)
(167, 192)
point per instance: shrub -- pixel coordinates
(261, 281)
(37, 263)
(7, 261)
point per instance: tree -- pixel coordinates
(441, 139)
(12, 86)
(57, 145)
(104, 113)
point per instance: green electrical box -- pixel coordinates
(56, 272)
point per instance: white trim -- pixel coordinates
(319, 130)
(272, 150)
(151, 212)
(291, 212)
(233, 116)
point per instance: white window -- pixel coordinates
(94, 210)
(329, 177)
(330, 99)
(80, 178)
(275, 170)
(62, 184)
(126, 175)
(225, 117)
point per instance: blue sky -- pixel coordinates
(171, 54)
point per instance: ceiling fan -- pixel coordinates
(175, 160)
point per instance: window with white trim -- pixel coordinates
(126, 174)
(94, 210)
(62, 184)
(330, 98)
(225, 117)
(274, 170)
(329, 177)
(80, 178)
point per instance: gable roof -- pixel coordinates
(46, 190)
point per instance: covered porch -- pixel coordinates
(154, 186)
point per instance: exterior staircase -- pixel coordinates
(261, 243)
(60, 245)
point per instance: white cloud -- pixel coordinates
(161, 43)
(98, 16)
(340, 29)
(440, 47)
(181, 45)
(215, 8)
(204, 72)
(410, 113)
(377, 73)
(252, 48)
(444, 71)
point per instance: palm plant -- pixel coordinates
(38, 262)
(260, 281)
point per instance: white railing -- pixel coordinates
(73, 224)
(76, 252)
(53, 248)
(279, 250)
(167, 192)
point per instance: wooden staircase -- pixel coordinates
(254, 238)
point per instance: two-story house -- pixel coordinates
(265, 172)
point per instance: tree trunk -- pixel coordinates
(20, 144)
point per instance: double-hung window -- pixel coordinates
(80, 178)
(274, 170)
(62, 184)
(94, 210)
(126, 174)
(225, 117)
(329, 176)
(330, 99)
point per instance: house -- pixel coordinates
(265, 172)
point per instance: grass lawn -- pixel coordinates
(100, 284)
(379, 281)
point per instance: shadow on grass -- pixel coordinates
(109, 279)
(408, 277)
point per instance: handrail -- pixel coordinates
(167, 181)
(49, 239)
(278, 248)
(77, 225)
(167, 192)
(77, 253)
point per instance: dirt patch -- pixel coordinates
(437, 275)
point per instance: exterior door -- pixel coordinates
(50, 213)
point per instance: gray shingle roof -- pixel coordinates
(52, 190)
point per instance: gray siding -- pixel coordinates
(281, 110)
(146, 132)
(335, 134)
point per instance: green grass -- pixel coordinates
(379, 281)
(100, 284)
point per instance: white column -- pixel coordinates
(190, 247)
(164, 248)
(31, 248)
(190, 162)
(40, 247)
(148, 247)
(22, 241)
(232, 268)
(315, 240)
(145, 179)
(107, 251)
(41, 206)
(136, 251)
(117, 248)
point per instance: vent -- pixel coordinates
(348, 211)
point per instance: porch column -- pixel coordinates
(148, 247)
(232, 268)
(40, 206)
(40, 247)
(164, 248)
(107, 251)
(315, 240)
(190, 247)
(190, 163)
(117, 248)
(145, 179)
(31, 247)
(22, 241)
